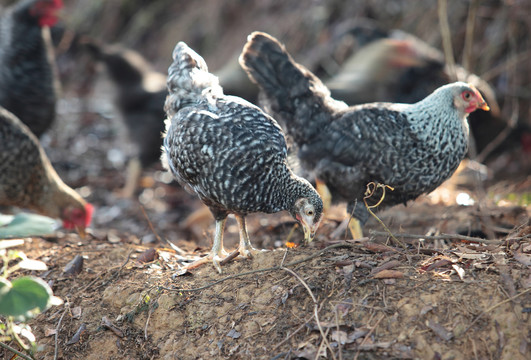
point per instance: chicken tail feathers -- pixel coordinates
(272, 68)
(189, 80)
(291, 91)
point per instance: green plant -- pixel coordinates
(21, 298)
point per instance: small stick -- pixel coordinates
(367, 336)
(371, 189)
(172, 245)
(56, 340)
(494, 307)
(445, 237)
(293, 333)
(446, 38)
(25, 357)
(228, 258)
(273, 268)
(469, 34)
(315, 308)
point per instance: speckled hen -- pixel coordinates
(229, 153)
(27, 80)
(28, 180)
(411, 147)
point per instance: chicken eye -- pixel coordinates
(467, 95)
(309, 212)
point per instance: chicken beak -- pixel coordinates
(308, 233)
(483, 106)
(81, 231)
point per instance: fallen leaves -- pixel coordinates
(74, 266)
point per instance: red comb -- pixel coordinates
(89, 210)
(49, 17)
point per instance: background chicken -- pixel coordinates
(27, 81)
(140, 97)
(231, 154)
(396, 66)
(412, 148)
(28, 180)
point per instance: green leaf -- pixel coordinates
(24, 297)
(24, 225)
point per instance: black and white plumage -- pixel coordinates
(411, 147)
(229, 153)
(27, 81)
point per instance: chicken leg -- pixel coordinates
(218, 253)
(246, 249)
(354, 226)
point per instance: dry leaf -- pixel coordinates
(386, 266)
(105, 322)
(76, 312)
(50, 332)
(77, 335)
(459, 270)
(389, 274)
(147, 256)
(440, 331)
(234, 334)
(374, 247)
(522, 258)
(74, 267)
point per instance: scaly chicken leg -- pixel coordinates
(218, 253)
(246, 249)
(355, 228)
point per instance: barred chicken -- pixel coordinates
(230, 154)
(410, 147)
(27, 80)
(28, 180)
(140, 97)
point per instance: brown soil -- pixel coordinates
(443, 297)
(338, 299)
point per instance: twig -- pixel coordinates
(367, 336)
(230, 257)
(315, 308)
(469, 34)
(336, 318)
(446, 38)
(56, 339)
(494, 307)
(444, 237)
(503, 135)
(293, 263)
(172, 245)
(284, 258)
(24, 356)
(293, 333)
(101, 273)
(371, 189)
(507, 64)
(147, 324)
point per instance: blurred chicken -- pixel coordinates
(27, 81)
(28, 180)
(230, 154)
(395, 66)
(410, 147)
(140, 97)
